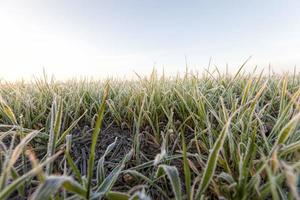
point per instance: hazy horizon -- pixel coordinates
(118, 38)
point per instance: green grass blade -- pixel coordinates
(148, 180)
(117, 196)
(186, 169)
(212, 160)
(287, 130)
(34, 171)
(55, 126)
(293, 147)
(54, 183)
(14, 156)
(109, 181)
(68, 130)
(70, 160)
(173, 176)
(95, 135)
(100, 165)
(6, 109)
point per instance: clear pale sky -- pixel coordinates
(115, 38)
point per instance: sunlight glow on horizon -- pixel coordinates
(102, 39)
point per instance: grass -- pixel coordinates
(198, 136)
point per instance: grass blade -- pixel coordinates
(66, 132)
(95, 135)
(287, 130)
(100, 166)
(117, 196)
(54, 183)
(212, 160)
(4, 194)
(109, 181)
(55, 125)
(186, 168)
(173, 176)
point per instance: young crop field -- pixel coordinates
(197, 136)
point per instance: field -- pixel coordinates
(196, 136)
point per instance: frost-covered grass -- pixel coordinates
(197, 136)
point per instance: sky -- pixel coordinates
(72, 38)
